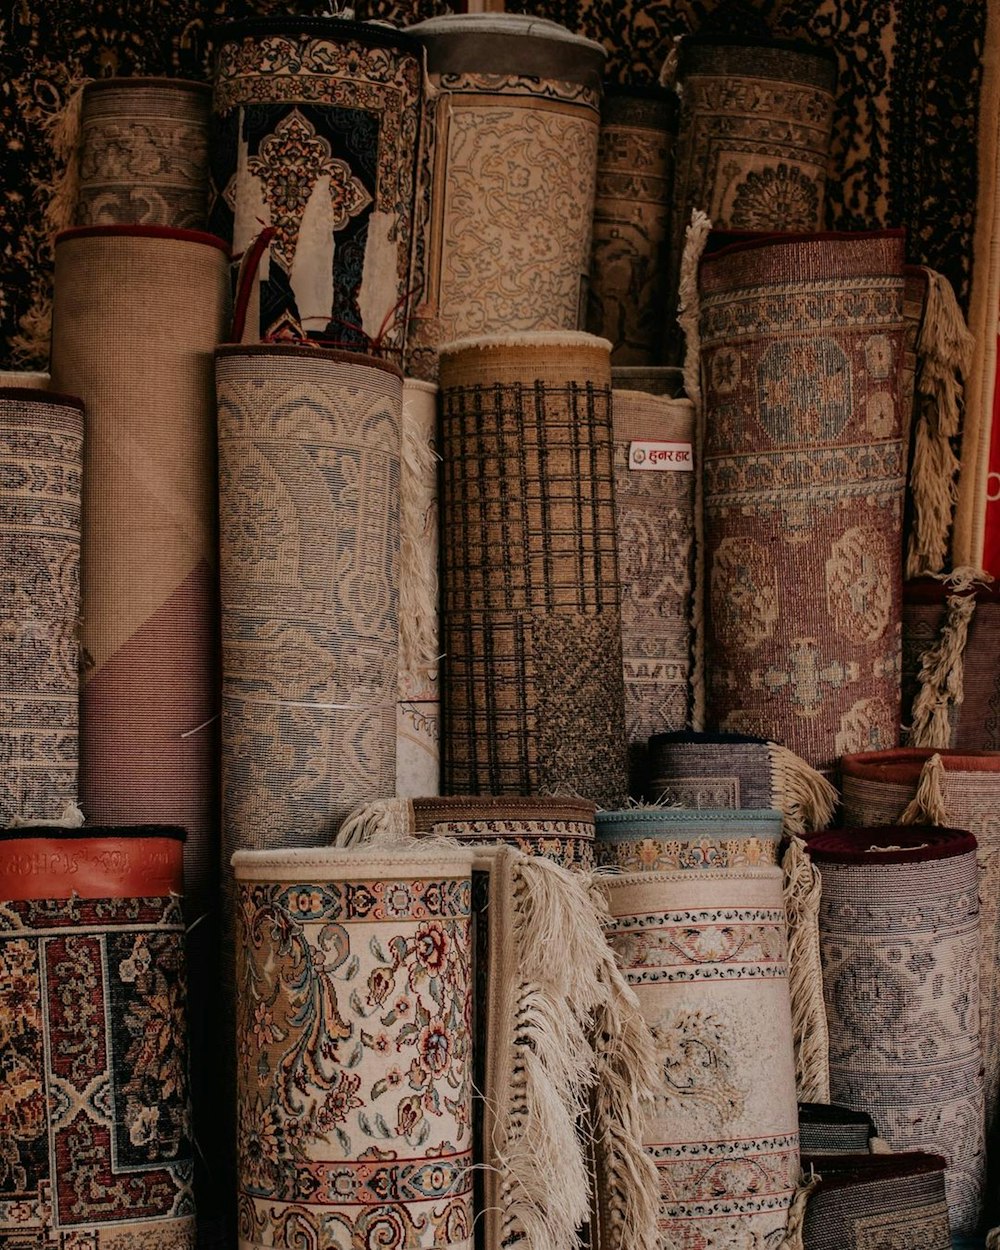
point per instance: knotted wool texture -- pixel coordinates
(705, 952)
(95, 1115)
(355, 1063)
(558, 829)
(899, 938)
(879, 787)
(627, 301)
(654, 509)
(534, 689)
(143, 153)
(753, 139)
(510, 167)
(316, 132)
(41, 449)
(801, 340)
(309, 506)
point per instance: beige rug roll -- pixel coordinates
(511, 166)
(705, 952)
(654, 511)
(533, 686)
(41, 451)
(418, 710)
(143, 153)
(30, 380)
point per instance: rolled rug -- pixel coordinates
(309, 445)
(418, 710)
(354, 1014)
(143, 153)
(95, 1114)
(959, 790)
(561, 830)
(41, 450)
(827, 1129)
(316, 133)
(723, 771)
(534, 695)
(753, 139)
(628, 273)
(664, 839)
(705, 953)
(900, 945)
(28, 380)
(883, 1199)
(951, 638)
(654, 513)
(511, 168)
(800, 343)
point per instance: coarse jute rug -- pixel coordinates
(829, 1129)
(959, 790)
(654, 511)
(511, 166)
(533, 695)
(801, 338)
(705, 952)
(143, 153)
(900, 945)
(753, 140)
(41, 450)
(354, 1014)
(138, 311)
(316, 133)
(862, 1201)
(951, 684)
(627, 300)
(418, 710)
(723, 771)
(95, 1117)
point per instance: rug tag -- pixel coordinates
(661, 457)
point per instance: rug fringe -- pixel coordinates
(626, 1082)
(942, 670)
(381, 822)
(879, 1146)
(804, 796)
(944, 357)
(993, 1239)
(928, 806)
(418, 582)
(802, 889)
(794, 1238)
(71, 817)
(688, 318)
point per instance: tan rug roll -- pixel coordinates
(511, 166)
(418, 710)
(628, 274)
(534, 692)
(654, 510)
(959, 790)
(143, 153)
(309, 507)
(29, 380)
(41, 451)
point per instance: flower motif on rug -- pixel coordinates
(776, 193)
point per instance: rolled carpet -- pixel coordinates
(753, 139)
(664, 839)
(511, 167)
(41, 450)
(801, 338)
(899, 936)
(418, 710)
(316, 130)
(882, 1199)
(354, 1010)
(533, 683)
(627, 300)
(654, 512)
(143, 153)
(958, 790)
(28, 380)
(95, 1114)
(828, 1129)
(705, 953)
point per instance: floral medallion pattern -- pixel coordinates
(94, 1062)
(354, 1063)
